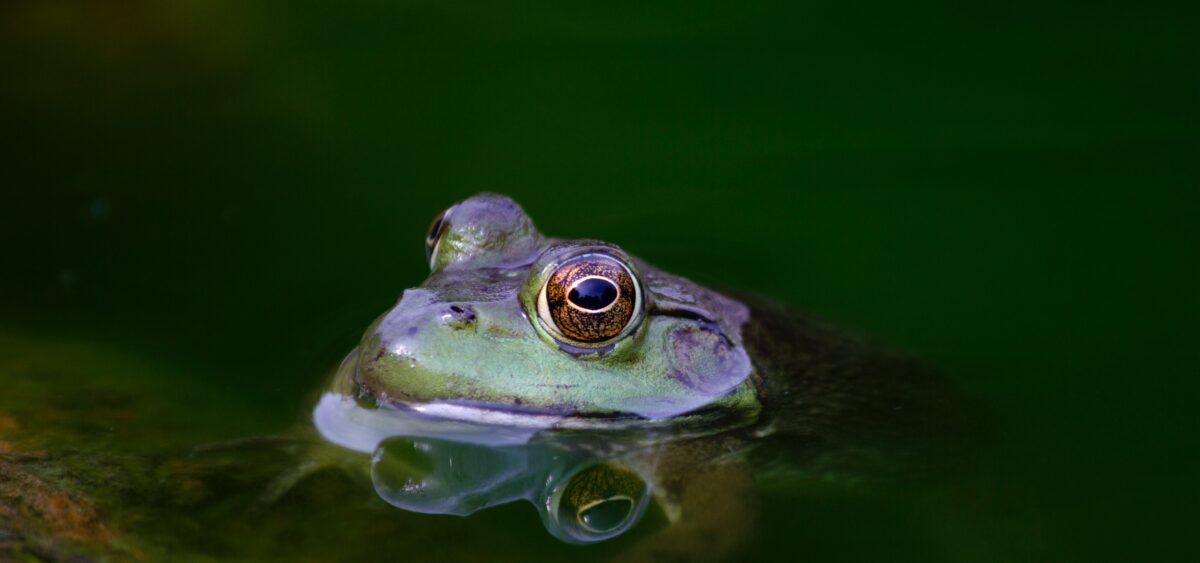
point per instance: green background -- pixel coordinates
(1009, 191)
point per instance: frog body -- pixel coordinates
(515, 328)
(522, 344)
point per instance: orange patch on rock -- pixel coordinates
(39, 504)
(8, 423)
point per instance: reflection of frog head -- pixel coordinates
(511, 324)
(581, 499)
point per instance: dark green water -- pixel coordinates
(225, 196)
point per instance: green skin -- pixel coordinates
(471, 335)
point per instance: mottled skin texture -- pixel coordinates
(471, 334)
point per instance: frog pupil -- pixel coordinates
(593, 294)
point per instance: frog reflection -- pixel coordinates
(581, 499)
(588, 486)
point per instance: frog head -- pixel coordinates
(513, 326)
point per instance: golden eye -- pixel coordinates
(434, 235)
(590, 299)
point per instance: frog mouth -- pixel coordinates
(345, 407)
(342, 420)
(495, 415)
(515, 414)
(523, 415)
(350, 415)
(508, 415)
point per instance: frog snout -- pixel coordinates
(459, 316)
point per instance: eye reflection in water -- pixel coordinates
(598, 502)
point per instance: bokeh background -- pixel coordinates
(1009, 191)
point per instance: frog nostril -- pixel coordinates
(460, 316)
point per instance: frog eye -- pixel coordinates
(434, 235)
(590, 299)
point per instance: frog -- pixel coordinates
(552, 362)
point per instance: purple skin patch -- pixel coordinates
(705, 360)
